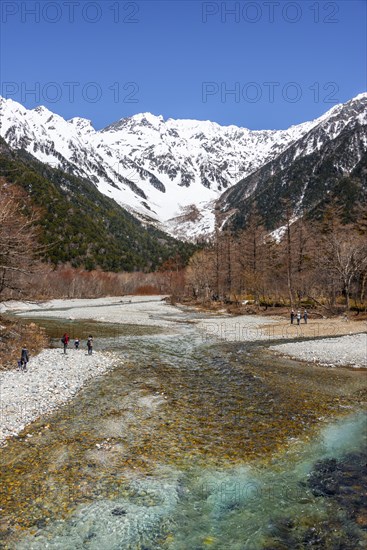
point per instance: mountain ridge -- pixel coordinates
(159, 169)
(305, 183)
(83, 227)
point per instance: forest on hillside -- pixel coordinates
(81, 227)
(59, 237)
(315, 263)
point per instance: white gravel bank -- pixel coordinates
(345, 350)
(52, 378)
(139, 310)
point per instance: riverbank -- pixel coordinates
(52, 379)
(330, 352)
(187, 420)
(154, 311)
(328, 342)
(140, 310)
(14, 334)
(242, 328)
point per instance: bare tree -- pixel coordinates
(253, 256)
(287, 216)
(201, 274)
(18, 238)
(345, 253)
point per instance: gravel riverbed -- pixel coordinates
(52, 378)
(348, 350)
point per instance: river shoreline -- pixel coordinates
(53, 379)
(188, 413)
(342, 351)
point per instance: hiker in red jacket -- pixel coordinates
(65, 340)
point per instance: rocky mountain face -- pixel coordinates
(171, 173)
(325, 163)
(82, 227)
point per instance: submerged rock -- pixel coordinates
(118, 512)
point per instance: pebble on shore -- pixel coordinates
(52, 379)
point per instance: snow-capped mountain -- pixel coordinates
(167, 172)
(326, 162)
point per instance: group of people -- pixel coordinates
(24, 355)
(298, 316)
(66, 339)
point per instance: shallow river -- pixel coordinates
(191, 444)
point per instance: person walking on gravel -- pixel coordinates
(24, 358)
(298, 317)
(65, 341)
(90, 344)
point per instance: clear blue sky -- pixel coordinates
(285, 62)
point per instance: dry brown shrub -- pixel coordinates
(13, 336)
(147, 290)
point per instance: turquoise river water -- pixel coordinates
(190, 443)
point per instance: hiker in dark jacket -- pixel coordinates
(90, 344)
(24, 358)
(292, 316)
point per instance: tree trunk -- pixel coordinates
(363, 287)
(289, 263)
(346, 290)
(217, 262)
(229, 267)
